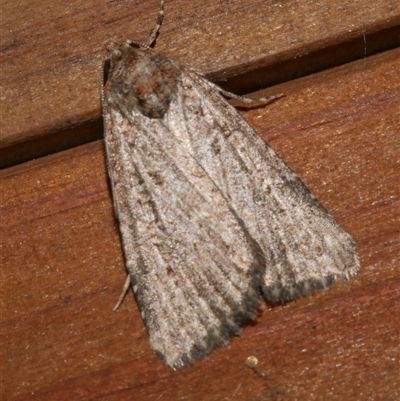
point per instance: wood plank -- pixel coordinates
(62, 266)
(51, 58)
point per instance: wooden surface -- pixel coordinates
(62, 267)
(51, 57)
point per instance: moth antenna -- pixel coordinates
(156, 29)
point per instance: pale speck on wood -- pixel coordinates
(211, 219)
(251, 361)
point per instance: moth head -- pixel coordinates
(140, 79)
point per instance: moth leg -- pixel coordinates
(248, 100)
(123, 293)
(230, 95)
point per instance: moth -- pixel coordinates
(211, 219)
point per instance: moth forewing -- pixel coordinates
(210, 217)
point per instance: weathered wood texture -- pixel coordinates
(51, 56)
(62, 267)
(61, 261)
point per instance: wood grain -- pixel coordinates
(51, 56)
(62, 266)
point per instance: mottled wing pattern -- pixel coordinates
(195, 271)
(208, 213)
(304, 247)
